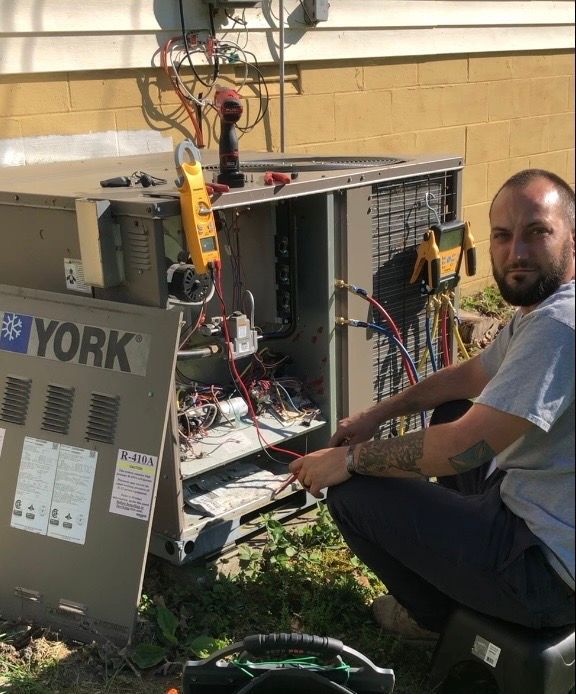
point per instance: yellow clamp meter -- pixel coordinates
(440, 256)
(196, 209)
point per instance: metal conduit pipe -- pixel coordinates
(282, 75)
(199, 352)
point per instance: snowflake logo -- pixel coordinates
(11, 327)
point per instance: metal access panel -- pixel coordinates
(84, 392)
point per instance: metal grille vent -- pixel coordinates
(137, 247)
(102, 418)
(295, 164)
(400, 217)
(58, 409)
(16, 399)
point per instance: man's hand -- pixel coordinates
(323, 468)
(357, 428)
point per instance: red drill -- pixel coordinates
(229, 107)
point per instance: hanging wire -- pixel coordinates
(430, 196)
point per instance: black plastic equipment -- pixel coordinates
(286, 664)
(522, 660)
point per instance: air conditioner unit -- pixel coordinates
(123, 428)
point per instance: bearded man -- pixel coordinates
(496, 532)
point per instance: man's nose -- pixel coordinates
(518, 249)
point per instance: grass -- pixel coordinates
(488, 302)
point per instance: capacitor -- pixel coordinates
(232, 409)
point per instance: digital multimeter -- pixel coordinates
(197, 217)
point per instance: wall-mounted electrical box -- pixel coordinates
(156, 408)
(315, 11)
(234, 3)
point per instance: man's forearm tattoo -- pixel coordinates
(472, 457)
(400, 453)
(404, 453)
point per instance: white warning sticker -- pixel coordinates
(35, 485)
(54, 487)
(72, 494)
(74, 272)
(133, 484)
(486, 651)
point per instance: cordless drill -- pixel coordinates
(229, 107)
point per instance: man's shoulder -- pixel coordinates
(558, 307)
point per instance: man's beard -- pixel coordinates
(534, 291)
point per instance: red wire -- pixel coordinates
(394, 328)
(185, 102)
(237, 378)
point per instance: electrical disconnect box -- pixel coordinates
(146, 406)
(315, 10)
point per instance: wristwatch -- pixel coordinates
(350, 469)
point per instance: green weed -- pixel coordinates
(488, 302)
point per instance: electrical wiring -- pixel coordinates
(184, 95)
(185, 42)
(249, 374)
(190, 330)
(180, 49)
(297, 414)
(197, 410)
(236, 20)
(236, 376)
(262, 103)
(232, 247)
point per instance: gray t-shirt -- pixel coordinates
(531, 367)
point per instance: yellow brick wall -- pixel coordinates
(502, 112)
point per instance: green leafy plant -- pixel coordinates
(168, 623)
(488, 302)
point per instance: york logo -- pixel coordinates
(88, 345)
(65, 341)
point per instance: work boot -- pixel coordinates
(396, 620)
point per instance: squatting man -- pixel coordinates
(496, 532)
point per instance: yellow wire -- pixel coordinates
(461, 345)
(402, 425)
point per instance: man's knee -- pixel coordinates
(336, 497)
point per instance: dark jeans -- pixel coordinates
(436, 545)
